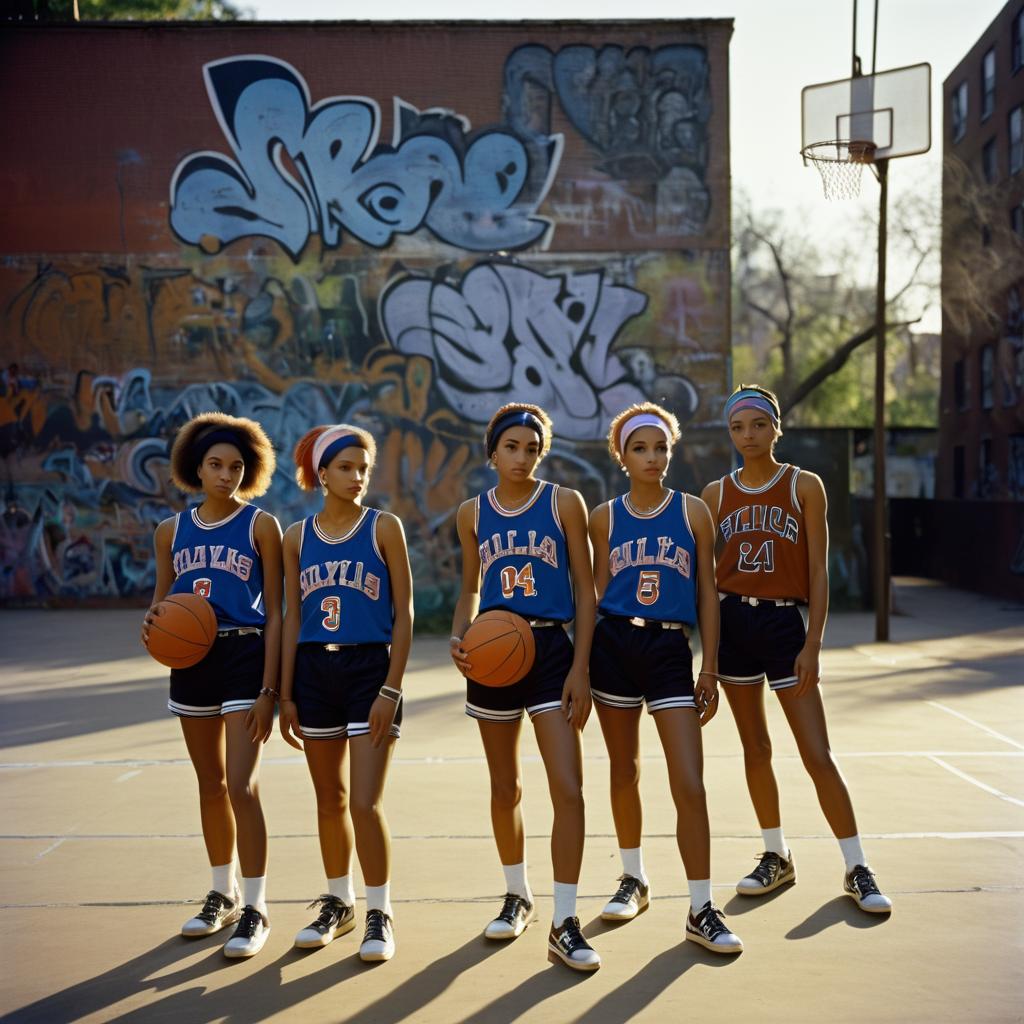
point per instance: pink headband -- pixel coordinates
(642, 419)
(338, 432)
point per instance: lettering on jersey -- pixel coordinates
(502, 545)
(634, 553)
(762, 519)
(345, 573)
(212, 556)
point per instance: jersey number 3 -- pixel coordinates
(332, 606)
(648, 586)
(762, 560)
(512, 578)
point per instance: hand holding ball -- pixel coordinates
(182, 630)
(500, 648)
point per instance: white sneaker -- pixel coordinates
(250, 935)
(567, 945)
(515, 914)
(218, 912)
(378, 939)
(859, 884)
(632, 898)
(336, 918)
(707, 928)
(772, 871)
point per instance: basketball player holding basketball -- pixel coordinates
(228, 551)
(654, 567)
(525, 550)
(772, 571)
(347, 633)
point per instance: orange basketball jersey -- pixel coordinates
(761, 543)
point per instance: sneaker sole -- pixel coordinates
(230, 919)
(868, 910)
(327, 938)
(763, 890)
(556, 956)
(626, 917)
(244, 954)
(509, 936)
(714, 947)
(375, 958)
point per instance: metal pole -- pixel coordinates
(874, 39)
(854, 70)
(881, 531)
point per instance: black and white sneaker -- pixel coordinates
(218, 912)
(336, 918)
(379, 937)
(567, 945)
(772, 872)
(515, 914)
(708, 929)
(632, 898)
(250, 935)
(861, 887)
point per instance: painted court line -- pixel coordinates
(977, 725)
(976, 782)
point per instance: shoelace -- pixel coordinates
(248, 923)
(331, 911)
(376, 922)
(570, 938)
(709, 921)
(627, 890)
(510, 908)
(766, 870)
(864, 881)
(215, 902)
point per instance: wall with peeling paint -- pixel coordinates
(399, 225)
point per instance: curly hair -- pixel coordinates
(306, 474)
(670, 420)
(187, 453)
(534, 410)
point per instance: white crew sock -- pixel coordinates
(342, 888)
(633, 864)
(565, 902)
(775, 841)
(378, 897)
(515, 880)
(254, 893)
(853, 852)
(224, 879)
(700, 892)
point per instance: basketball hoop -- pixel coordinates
(840, 163)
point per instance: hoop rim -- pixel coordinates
(848, 146)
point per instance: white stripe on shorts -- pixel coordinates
(782, 684)
(331, 732)
(191, 711)
(230, 706)
(616, 700)
(744, 680)
(670, 702)
(538, 709)
(490, 715)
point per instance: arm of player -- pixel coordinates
(468, 603)
(599, 544)
(260, 718)
(288, 717)
(811, 492)
(576, 699)
(164, 573)
(391, 538)
(708, 609)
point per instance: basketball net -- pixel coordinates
(840, 163)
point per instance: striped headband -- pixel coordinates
(515, 418)
(642, 419)
(750, 399)
(333, 440)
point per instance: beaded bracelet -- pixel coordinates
(267, 692)
(390, 693)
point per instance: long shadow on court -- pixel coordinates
(841, 910)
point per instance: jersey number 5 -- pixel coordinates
(332, 606)
(762, 560)
(648, 586)
(512, 578)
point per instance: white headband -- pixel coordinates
(642, 419)
(329, 437)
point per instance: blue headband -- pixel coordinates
(343, 442)
(515, 418)
(221, 435)
(750, 399)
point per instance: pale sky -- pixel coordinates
(778, 47)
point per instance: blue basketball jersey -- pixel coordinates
(346, 589)
(524, 560)
(652, 561)
(220, 561)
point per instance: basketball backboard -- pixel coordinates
(891, 109)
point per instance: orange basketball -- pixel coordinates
(183, 630)
(500, 648)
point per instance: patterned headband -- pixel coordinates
(333, 440)
(750, 399)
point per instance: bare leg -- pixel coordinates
(621, 728)
(326, 761)
(501, 746)
(373, 839)
(806, 717)
(243, 764)
(679, 729)
(747, 704)
(204, 738)
(562, 753)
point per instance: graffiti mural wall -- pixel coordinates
(310, 225)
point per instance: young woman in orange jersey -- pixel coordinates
(773, 584)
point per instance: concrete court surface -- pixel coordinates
(100, 850)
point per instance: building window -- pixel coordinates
(1017, 41)
(1017, 220)
(958, 111)
(1016, 139)
(988, 365)
(990, 161)
(958, 471)
(960, 395)
(988, 84)
(986, 470)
